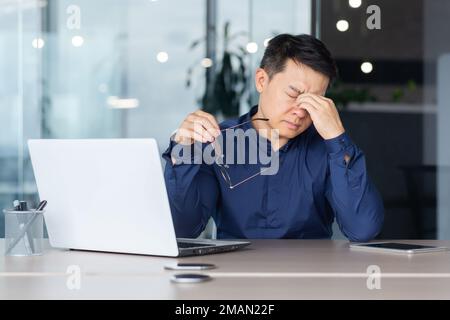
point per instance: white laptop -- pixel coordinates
(110, 195)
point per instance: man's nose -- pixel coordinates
(301, 113)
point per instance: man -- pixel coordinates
(321, 176)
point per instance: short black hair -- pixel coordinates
(304, 49)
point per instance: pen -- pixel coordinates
(23, 206)
(41, 205)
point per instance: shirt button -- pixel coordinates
(347, 159)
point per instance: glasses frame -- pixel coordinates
(223, 167)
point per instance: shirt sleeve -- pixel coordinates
(357, 205)
(192, 189)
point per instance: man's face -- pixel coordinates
(278, 97)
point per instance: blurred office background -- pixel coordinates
(135, 68)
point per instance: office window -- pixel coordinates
(115, 68)
(118, 68)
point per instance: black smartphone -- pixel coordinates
(397, 247)
(190, 278)
(189, 266)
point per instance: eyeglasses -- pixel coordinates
(223, 167)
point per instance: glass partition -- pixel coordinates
(117, 68)
(135, 68)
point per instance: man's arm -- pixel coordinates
(357, 204)
(193, 193)
(191, 185)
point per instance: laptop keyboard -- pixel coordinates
(192, 245)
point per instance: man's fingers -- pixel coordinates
(198, 126)
(205, 124)
(315, 102)
(210, 117)
(184, 136)
(187, 135)
(199, 129)
(324, 102)
(190, 133)
(211, 120)
(328, 100)
(318, 99)
(199, 137)
(308, 107)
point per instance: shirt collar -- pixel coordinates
(247, 117)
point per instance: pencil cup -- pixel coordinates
(24, 232)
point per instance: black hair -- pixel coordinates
(304, 49)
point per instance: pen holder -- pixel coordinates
(24, 232)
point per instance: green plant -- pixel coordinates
(400, 93)
(343, 96)
(397, 95)
(229, 80)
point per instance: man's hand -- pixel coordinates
(324, 114)
(197, 126)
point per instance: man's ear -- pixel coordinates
(261, 79)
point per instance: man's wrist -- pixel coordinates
(339, 143)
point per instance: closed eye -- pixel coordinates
(292, 97)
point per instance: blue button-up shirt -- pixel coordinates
(313, 186)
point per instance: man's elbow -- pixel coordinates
(187, 231)
(363, 236)
(367, 230)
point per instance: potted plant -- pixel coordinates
(228, 85)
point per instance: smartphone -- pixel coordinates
(189, 266)
(190, 278)
(395, 247)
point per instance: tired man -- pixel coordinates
(321, 174)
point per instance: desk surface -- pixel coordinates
(268, 269)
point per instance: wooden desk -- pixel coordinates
(268, 269)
